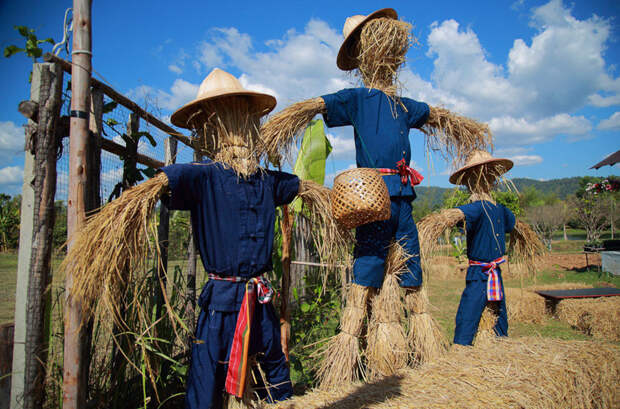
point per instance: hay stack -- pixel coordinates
(339, 360)
(431, 227)
(425, 338)
(598, 317)
(113, 242)
(387, 349)
(507, 373)
(524, 305)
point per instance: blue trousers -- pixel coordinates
(211, 351)
(373, 240)
(473, 301)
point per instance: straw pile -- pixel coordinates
(524, 305)
(382, 50)
(525, 248)
(339, 360)
(111, 243)
(454, 135)
(281, 131)
(387, 349)
(506, 373)
(425, 338)
(228, 132)
(598, 317)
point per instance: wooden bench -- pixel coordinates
(553, 297)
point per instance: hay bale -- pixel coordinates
(598, 317)
(524, 305)
(528, 372)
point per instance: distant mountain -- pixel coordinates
(560, 187)
(431, 195)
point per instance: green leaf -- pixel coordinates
(305, 307)
(47, 40)
(109, 106)
(313, 153)
(111, 121)
(148, 172)
(11, 49)
(23, 30)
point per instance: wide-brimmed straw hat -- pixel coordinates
(220, 85)
(478, 158)
(347, 57)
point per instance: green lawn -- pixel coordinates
(444, 294)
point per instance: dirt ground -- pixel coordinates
(573, 261)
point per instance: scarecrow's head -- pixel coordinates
(481, 172)
(375, 45)
(225, 120)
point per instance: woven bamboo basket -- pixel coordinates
(360, 196)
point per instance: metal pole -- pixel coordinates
(74, 388)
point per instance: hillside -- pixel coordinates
(562, 188)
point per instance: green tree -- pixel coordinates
(9, 221)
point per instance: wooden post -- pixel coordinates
(45, 150)
(285, 314)
(191, 272)
(74, 383)
(163, 230)
(38, 223)
(24, 256)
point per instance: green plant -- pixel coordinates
(31, 48)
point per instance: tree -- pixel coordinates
(591, 211)
(9, 221)
(546, 219)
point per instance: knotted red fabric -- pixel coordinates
(405, 172)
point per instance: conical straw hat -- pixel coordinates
(347, 57)
(477, 158)
(220, 85)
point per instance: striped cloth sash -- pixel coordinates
(257, 288)
(405, 172)
(494, 289)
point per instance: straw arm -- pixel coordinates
(431, 227)
(282, 130)
(455, 135)
(525, 245)
(113, 242)
(331, 240)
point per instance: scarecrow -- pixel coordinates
(375, 46)
(232, 201)
(486, 224)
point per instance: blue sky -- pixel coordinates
(544, 74)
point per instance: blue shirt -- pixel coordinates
(233, 221)
(486, 224)
(380, 139)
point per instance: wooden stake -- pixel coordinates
(285, 314)
(74, 384)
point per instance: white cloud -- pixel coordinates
(526, 160)
(294, 67)
(610, 124)
(181, 92)
(520, 131)
(342, 147)
(175, 68)
(11, 175)
(11, 141)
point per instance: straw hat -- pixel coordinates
(219, 85)
(347, 60)
(477, 158)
